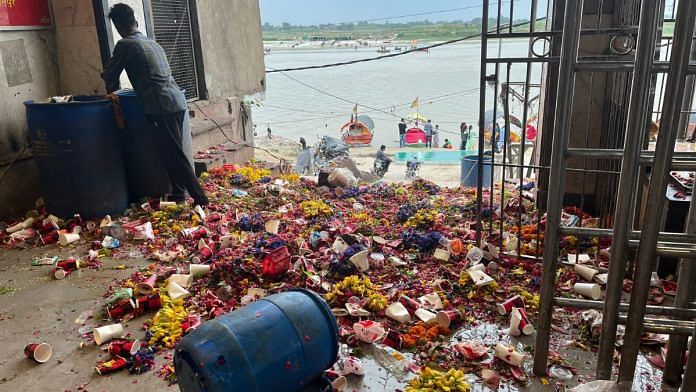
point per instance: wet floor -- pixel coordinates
(36, 308)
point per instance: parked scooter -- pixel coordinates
(412, 167)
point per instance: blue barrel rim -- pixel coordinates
(99, 100)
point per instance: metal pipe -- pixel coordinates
(625, 66)
(688, 314)
(564, 106)
(683, 32)
(637, 120)
(689, 383)
(482, 119)
(685, 239)
(656, 328)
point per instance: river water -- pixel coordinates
(446, 80)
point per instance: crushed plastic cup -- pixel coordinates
(397, 311)
(124, 348)
(585, 272)
(175, 291)
(39, 352)
(272, 226)
(68, 238)
(59, 273)
(509, 354)
(147, 286)
(431, 301)
(474, 255)
(107, 333)
(356, 310)
(369, 331)
(339, 246)
(589, 290)
(443, 285)
(183, 280)
(391, 360)
(111, 366)
(393, 260)
(579, 258)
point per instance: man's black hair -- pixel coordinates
(122, 15)
(383, 147)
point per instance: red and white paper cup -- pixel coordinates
(409, 303)
(393, 339)
(513, 302)
(124, 348)
(39, 352)
(445, 318)
(50, 238)
(519, 323)
(70, 264)
(60, 273)
(121, 309)
(147, 286)
(111, 366)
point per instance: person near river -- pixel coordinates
(402, 133)
(161, 98)
(436, 136)
(464, 134)
(428, 129)
(447, 145)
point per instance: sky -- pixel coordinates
(314, 12)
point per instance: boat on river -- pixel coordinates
(383, 49)
(359, 131)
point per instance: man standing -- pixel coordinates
(436, 136)
(163, 103)
(428, 129)
(402, 133)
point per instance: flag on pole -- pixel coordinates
(414, 104)
(355, 109)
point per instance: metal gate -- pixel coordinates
(593, 153)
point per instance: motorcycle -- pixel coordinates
(380, 167)
(412, 167)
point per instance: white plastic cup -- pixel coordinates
(360, 261)
(181, 279)
(107, 333)
(272, 226)
(227, 242)
(397, 311)
(477, 267)
(585, 272)
(509, 355)
(431, 301)
(474, 254)
(589, 290)
(68, 238)
(40, 352)
(175, 291)
(339, 245)
(198, 270)
(425, 315)
(480, 278)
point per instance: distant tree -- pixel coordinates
(286, 26)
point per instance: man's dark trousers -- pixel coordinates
(169, 143)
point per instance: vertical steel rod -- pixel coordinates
(687, 274)
(637, 120)
(683, 33)
(482, 122)
(564, 107)
(689, 383)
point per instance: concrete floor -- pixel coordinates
(36, 308)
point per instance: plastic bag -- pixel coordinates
(596, 386)
(342, 177)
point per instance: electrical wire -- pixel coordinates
(417, 14)
(402, 53)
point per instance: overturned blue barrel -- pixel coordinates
(279, 343)
(146, 173)
(469, 173)
(78, 150)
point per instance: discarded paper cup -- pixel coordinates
(107, 333)
(120, 295)
(272, 226)
(409, 303)
(123, 348)
(121, 309)
(227, 241)
(393, 339)
(590, 290)
(474, 255)
(60, 273)
(146, 287)
(181, 279)
(509, 355)
(480, 278)
(512, 302)
(444, 318)
(214, 217)
(477, 267)
(431, 301)
(166, 204)
(50, 238)
(339, 246)
(175, 291)
(379, 240)
(425, 315)
(68, 238)
(585, 272)
(111, 366)
(441, 254)
(443, 285)
(39, 352)
(69, 264)
(197, 270)
(519, 323)
(397, 311)
(360, 261)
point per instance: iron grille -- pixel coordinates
(172, 30)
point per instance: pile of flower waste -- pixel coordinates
(397, 263)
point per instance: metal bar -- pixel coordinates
(482, 116)
(624, 66)
(552, 33)
(627, 185)
(656, 328)
(687, 313)
(683, 31)
(523, 60)
(689, 383)
(634, 235)
(564, 105)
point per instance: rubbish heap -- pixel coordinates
(397, 263)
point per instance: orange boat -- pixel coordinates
(357, 132)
